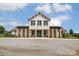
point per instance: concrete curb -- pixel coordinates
(42, 38)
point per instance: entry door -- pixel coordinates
(39, 33)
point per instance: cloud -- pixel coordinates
(57, 21)
(26, 24)
(46, 8)
(13, 23)
(61, 7)
(11, 6)
(9, 23)
(57, 7)
(5, 21)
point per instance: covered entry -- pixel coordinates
(39, 33)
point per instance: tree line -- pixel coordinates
(4, 33)
(70, 34)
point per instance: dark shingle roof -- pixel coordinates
(22, 27)
(55, 27)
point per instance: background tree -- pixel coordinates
(7, 34)
(2, 29)
(71, 31)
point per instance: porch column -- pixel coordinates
(21, 33)
(48, 33)
(57, 33)
(35, 33)
(17, 32)
(52, 33)
(25, 32)
(29, 33)
(42, 33)
(60, 33)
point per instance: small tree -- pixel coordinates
(71, 31)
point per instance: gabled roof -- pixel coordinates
(39, 13)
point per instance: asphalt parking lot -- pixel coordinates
(39, 47)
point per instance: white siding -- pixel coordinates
(38, 17)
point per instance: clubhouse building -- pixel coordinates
(38, 26)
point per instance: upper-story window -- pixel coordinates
(39, 23)
(45, 23)
(33, 22)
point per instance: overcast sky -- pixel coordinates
(65, 15)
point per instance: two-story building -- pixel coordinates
(39, 26)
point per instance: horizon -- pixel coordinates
(17, 14)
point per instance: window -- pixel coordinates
(33, 22)
(45, 23)
(39, 23)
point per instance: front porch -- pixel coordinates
(38, 33)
